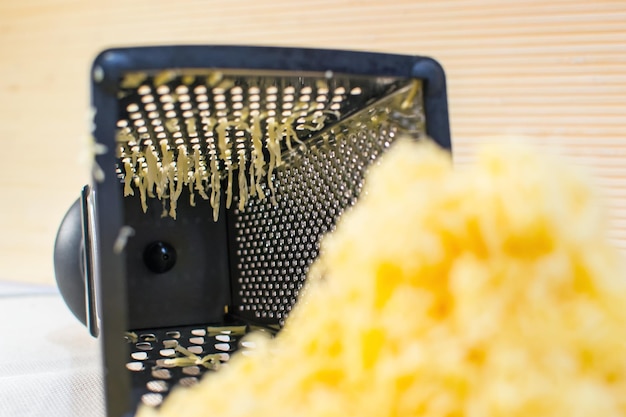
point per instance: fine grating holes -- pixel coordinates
(276, 244)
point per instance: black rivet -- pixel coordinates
(159, 257)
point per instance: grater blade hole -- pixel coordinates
(222, 338)
(140, 356)
(157, 386)
(144, 346)
(170, 344)
(188, 381)
(198, 332)
(196, 340)
(224, 347)
(167, 352)
(152, 399)
(163, 363)
(161, 373)
(135, 366)
(147, 337)
(195, 349)
(191, 370)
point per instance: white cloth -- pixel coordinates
(49, 364)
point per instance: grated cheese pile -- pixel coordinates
(488, 291)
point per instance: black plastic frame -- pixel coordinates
(107, 71)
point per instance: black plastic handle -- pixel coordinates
(68, 262)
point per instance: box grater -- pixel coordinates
(217, 171)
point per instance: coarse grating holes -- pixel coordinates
(224, 105)
(158, 370)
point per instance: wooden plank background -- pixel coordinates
(552, 72)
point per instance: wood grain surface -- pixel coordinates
(550, 72)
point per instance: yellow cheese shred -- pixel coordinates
(128, 173)
(242, 181)
(229, 185)
(140, 183)
(199, 173)
(215, 187)
(182, 178)
(485, 291)
(153, 172)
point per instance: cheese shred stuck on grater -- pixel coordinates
(195, 130)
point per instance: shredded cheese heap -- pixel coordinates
(487, 291)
